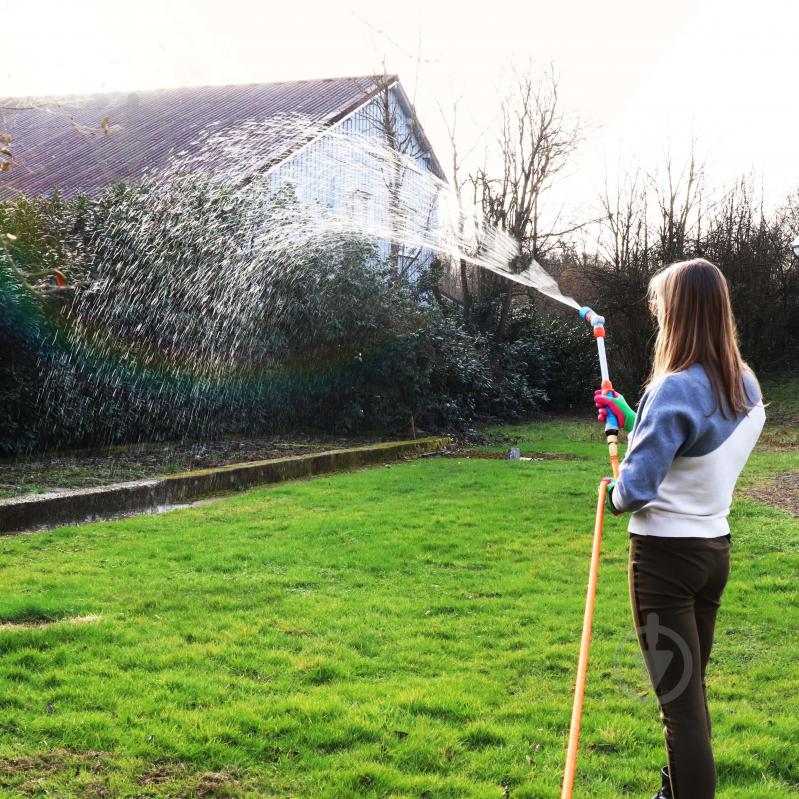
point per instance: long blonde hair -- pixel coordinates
(696, 325)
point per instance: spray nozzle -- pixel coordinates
(596, 321)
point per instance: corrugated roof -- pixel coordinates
(60, 143)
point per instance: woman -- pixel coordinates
(697, 422)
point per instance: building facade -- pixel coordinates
(351, 147)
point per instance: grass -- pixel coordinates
(401, 632)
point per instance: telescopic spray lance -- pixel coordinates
(612, 427)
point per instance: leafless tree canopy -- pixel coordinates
(649, 221)
(536, 140)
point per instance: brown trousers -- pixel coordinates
(675, 590)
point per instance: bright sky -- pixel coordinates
(646, 77)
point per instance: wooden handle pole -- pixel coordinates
(585, 645)
(593, 574)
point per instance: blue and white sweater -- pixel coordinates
(684, 457)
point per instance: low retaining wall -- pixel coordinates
(38, 511)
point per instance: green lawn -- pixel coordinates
(400, 632)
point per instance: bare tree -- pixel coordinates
(458, 183)
(646, 221)
(751, 246)
(619, 272)
(625, 225)
(650, 222)
(535, 143)
(679, 198)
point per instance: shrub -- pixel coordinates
(193, 318)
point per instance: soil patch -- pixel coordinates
(163, 771)
(781, 492)
(34, 623)
(28, 772)
(781, 435)
(218, 784)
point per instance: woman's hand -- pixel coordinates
(611, 484)
(617, 405)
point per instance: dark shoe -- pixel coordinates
(665, 788)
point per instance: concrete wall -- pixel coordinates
(40, 511)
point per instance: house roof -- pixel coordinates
(85, 143)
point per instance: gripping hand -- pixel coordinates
(618, 406)
(611, 483)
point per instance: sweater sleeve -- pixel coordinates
(667, 423)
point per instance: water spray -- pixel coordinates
(256, 222)
(612, 427)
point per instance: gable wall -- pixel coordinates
(355, 183)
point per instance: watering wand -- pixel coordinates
(612, 427)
